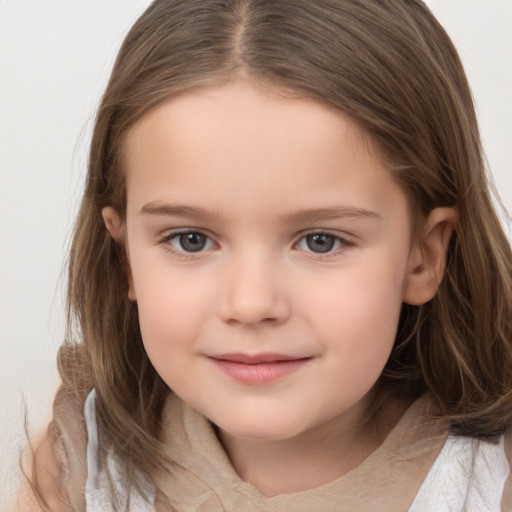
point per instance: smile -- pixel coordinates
(258, 369)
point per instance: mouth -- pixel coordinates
(258, 369)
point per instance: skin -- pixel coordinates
(245, 166)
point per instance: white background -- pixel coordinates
(55, 57)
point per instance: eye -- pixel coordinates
(189, 241)
(321, 243)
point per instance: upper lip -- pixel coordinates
(255, 358)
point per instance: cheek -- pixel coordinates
(170, 318)
(356, 315)
(358, 336)
(172, 306)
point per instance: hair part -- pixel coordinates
(390, 66)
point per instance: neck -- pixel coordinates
(313, 458)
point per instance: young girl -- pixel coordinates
(288, 288)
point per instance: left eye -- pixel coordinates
(320, 243)
(191, 241)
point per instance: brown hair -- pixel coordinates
(389, 65)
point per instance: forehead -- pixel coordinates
(225, 145)
(242, 110)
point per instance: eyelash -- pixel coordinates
(343, 243)
(167, 239)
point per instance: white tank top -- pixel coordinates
(97, 491)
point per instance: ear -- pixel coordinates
(427, 261)
(116, 228)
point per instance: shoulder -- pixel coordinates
(58, 470)
(468, 473)
(47, 474)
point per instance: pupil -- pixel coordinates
(192, 242)
(320, 243)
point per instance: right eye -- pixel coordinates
(189, 241)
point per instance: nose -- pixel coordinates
(254, 293)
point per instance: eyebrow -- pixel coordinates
(331, 213)
(157, 208)
(177, 210)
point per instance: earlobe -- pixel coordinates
(115, 227)
(427, 261)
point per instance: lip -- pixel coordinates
(258, 369)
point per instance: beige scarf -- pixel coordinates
(203, 479)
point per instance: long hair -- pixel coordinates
(390, 66)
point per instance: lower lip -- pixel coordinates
(262, 373)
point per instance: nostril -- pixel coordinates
(255, 319)
(255, 313)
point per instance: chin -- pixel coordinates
(260, 428)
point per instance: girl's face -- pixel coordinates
(269, 254)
